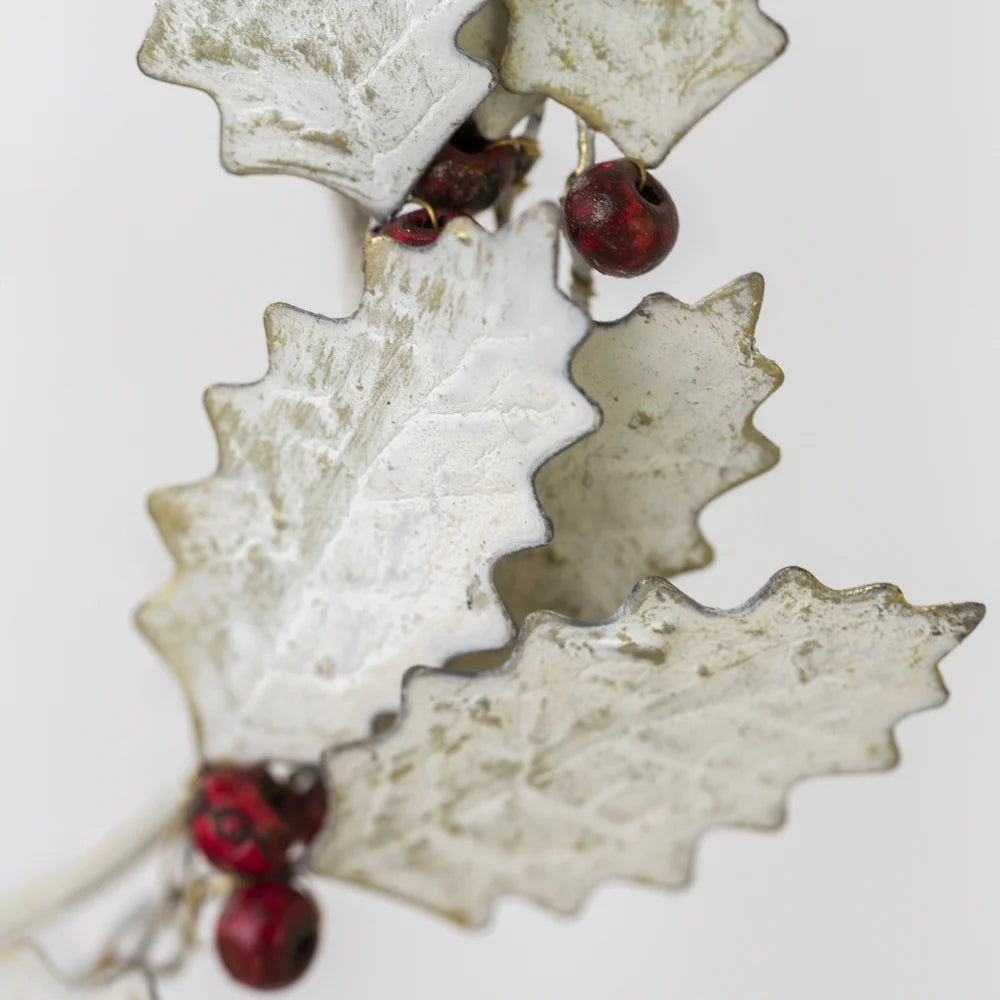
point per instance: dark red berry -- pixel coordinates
(468, 174)
(267, 934)
(415, 229)
(246, 822)
(619, 225)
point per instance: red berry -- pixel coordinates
(267, 934)
(415, 229)
(246, 822)
(618, 227)
(468, 174)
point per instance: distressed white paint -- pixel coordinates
(25, 975)
(606, 751)
(485, 37)
(641, 71)
(678, 386)
(356, 96)
(366, 487)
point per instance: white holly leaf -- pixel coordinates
(359, 97)
(366, 487)
(26, 975)
(678, 386)
(605, 751)
(641, 72)
(484, 36)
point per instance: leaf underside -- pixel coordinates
(678, 386)
(605, 751)
(359, 97)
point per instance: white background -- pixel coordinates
(859, 174)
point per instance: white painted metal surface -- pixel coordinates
(606, 751)
(641, 71)
(484, 36)
(366, 487)
(356, 96)
(678, 386)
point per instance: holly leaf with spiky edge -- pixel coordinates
(606, 751)
(26, 975)
(642, 72)
(359, 97)
(679, 386)
(366, 486)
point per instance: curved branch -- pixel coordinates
(46, 897)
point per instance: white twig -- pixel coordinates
(43, 899)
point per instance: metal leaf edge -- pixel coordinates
(964, 617)
(749, 432)
(379, 208)
(593, 116)
(512, 574)
(702, 552)
(375, 255)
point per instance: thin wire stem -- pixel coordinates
(581, 273)
(528, 140)
(530, 146)
(428, 208)
(585, 145)
(582, 286)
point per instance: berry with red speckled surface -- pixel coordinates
(469, 174)
(245, 821)
(267, 935)
(619, 225)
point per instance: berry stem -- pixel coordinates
(643, 175)
(138, 941)
(585, 145)
(504, 207)
(530, 146)
(581, 273)
(46, 897)
(429, 209)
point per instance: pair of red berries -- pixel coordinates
(467, 176)
(247, 822)
(620, 219)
